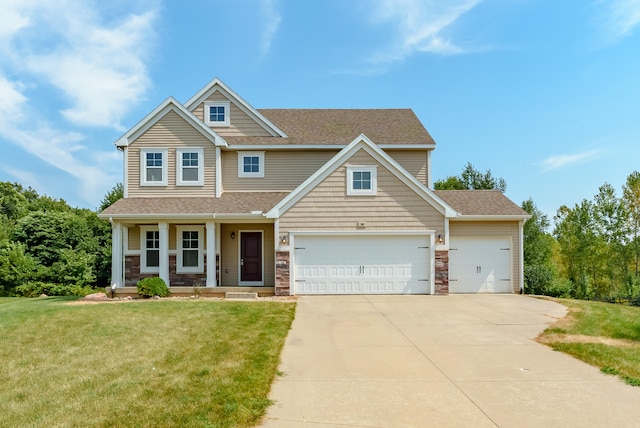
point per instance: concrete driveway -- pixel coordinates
(438, 361)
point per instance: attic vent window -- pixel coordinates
(362, 180)
(216, 113)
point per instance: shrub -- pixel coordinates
(559, 288)
(537, 278)
(150, 287)
(36, 288)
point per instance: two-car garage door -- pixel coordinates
(362, 264)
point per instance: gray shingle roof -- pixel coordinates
(481, 202)
(341, 126)
(229, 203)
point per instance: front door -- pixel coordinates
(251, 257)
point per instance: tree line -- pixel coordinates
(46, 246)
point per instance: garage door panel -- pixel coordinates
(480, 265)
(377, 264)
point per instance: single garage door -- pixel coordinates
(480, 265)
(362, 264)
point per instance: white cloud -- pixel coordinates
(272, 21)
(419, 25)
(561, 161)
(618, 18)
(88, 56)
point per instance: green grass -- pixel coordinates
(170, 363)
(613, 329)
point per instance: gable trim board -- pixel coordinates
(216, 85)
(168, 105)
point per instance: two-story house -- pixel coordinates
(224, 196)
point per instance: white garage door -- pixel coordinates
(480, 265)
(363, 264)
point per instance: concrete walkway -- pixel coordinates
(438, 361)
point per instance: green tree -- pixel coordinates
(472, 179)
(16, 266)
(117, 192)
(538, 250)
(631, 200)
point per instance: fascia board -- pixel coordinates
(217, 84)
(325, 146)
(198, 216)
(491, 217)
(407, 146)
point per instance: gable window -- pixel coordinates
(149, 249)
(216, 113)
(251, 164)
(190, 169)
(190, 258)
(362, 180)
(153, 167)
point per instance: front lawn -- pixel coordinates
(151, 363)
(602, 334)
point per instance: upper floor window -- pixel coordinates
(216, 113)
(362, 180)
(190, 170)
(250, 164)
(153, 167)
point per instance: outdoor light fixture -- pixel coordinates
(284, 239)
(233, 235)
(440, 240)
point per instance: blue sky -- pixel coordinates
(546, 94)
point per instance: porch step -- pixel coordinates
(240, 295)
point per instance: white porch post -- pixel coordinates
(211, 254)
(116, 255)
(163, 232)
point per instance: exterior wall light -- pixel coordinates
(233, 235)
(440, 240)
(284, 239)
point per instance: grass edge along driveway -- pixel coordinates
(165, 363)
(604, 335)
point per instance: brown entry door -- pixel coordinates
(251, 256)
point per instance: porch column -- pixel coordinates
(116, 255)
(163, 232)
(211, 254)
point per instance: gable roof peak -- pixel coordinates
(217, 85)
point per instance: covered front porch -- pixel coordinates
(207, 258)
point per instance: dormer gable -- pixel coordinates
(222, 109)
(167, 106)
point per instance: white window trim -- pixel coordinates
(179, 257)
(179, 168)
(373, 169)
(241, 173)
(143, 167)
(227, 114)
(143, 250)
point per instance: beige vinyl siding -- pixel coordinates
(471, 229)
(395, 207)
(229, 273)
(284, 170)
(171, 132)
(240, 123)
(414, 161)
(133, 234)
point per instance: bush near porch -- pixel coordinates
(139, 363)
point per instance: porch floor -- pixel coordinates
(200, 291)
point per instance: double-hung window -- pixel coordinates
(216, 113)
(362, 180)
(149, 249)
(251, 164)
(190, 257)
(153, 167)
(190, 169)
